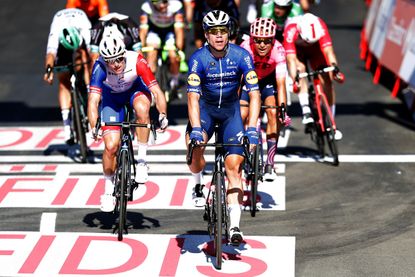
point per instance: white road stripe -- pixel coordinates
(47, 223)
(400, 158)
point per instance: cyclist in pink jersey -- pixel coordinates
(271, 68)
(307, 39)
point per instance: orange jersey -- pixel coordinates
(92, 8)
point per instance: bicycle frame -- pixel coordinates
(125, 177)
(216, 211)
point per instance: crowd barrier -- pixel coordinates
(388, 43)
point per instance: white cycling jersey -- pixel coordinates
(162, 20)
(68, 18)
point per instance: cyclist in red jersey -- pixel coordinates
(271, 67)
(94, 9)
(307, 39)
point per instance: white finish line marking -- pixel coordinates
(97, 254)
(47, 223)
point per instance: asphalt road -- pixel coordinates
(353, 220)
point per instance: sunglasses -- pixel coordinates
(115, 60)
(264, 40)
(218, 30)
(158, 2)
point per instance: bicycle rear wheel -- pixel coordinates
(329, 134)
(218, 179)
(79, 128)
(255, 172)
(123, 195)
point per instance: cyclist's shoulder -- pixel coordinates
(175, 6)
(147, 8)
(237, 51)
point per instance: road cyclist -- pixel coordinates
(68, 42)
(162, 27)
(120, 76)
(307, 42)
(94, 9)
(271, 67)
(213, 80)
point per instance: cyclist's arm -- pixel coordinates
(254, 108)
(94, 97)
(282, 91)
(189, 10)
(49, 62)
(193, 109)
(330, 55)
(267, 9)
(93, 103)
(292, 62)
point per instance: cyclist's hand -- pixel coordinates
(287, 120)
(96, 134)
(196, 134)
(163, 121)
(337, 75)
(48, 76)
(296, 87)
(252, 135)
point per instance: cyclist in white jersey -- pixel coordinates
(69, 35)
(162, 25)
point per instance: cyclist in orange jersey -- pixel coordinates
(94, 9)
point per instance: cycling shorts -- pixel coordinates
(113, 103)
(231, 128)
(267, 87)
(161, 37)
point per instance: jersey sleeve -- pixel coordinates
(326, 39)
(99, 74)
(267, 9)
(248, 69)
(194, 76)
(281, 63)
(143, 71)
(290, 35)
(71, 4)
(53, 39)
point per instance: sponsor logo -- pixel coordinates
(193, 80)
(221, 75)
(251, 78)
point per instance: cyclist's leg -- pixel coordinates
(111, 108)
(141, 101)
(232, 131)
(170, 43)
(152, 40)
(303, 94)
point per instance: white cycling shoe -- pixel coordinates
(141, 172)
(197, 196)
(107, 203)
(236, 236)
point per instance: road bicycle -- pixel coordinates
(79, 99)
(216, 211)
(124, 182)
(163, 73)
(323, 129)
(254, 164)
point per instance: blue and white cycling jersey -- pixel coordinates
(217, 80)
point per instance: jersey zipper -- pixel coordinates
(221, 84)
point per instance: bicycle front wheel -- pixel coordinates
(123, 195)
(329, 134)
(79, 126)
(218, 218)
(255, 171)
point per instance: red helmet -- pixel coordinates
(263, 28)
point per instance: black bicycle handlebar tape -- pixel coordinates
(189, 155)
(49, 70)
(97, 127)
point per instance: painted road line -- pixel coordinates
(398, 158)
(160, 192)
(76, 254)
(48, 223)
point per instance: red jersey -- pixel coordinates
(293, 42)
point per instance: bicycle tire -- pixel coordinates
(218, 220)
(316, 133)
(123, 195)
(79, 127)
(163, 79)
(254, 180)
(329, 133)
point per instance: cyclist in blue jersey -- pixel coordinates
(215, 74)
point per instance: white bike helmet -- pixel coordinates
(111, 30)
(215, 18)
(310, 28)
(111, 47)
(283, 3)
(263, 28)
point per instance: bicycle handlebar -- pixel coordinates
(125, 124)
(193, 144)
(339, 76)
